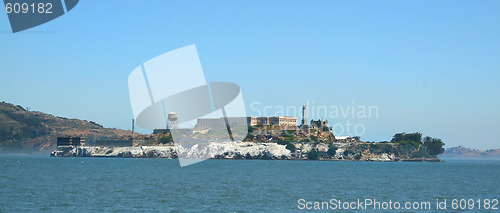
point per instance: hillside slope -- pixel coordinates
(464, 152)
(23, 131)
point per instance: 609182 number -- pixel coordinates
(28, 8)
(474, 204)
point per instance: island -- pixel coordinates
(277, 138)
(271, 138)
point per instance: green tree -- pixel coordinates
(332, 149)
(434, 146)
(290, 147)
(398, 137)
(348, 152)
(284, 141)
(165, 139)
(251, 129)
(312, 155)
(413, 137)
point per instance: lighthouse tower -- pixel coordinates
(304, 120)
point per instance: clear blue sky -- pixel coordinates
(429, 66)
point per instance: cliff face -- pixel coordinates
(228, 150)
(243, 150)
(124, 152)
(26, 131)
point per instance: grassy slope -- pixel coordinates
(27, 131)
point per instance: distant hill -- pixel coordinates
(464, 152)
(23, 131)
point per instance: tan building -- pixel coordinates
(254, 121)
(283, 121)
(272, 121)
(203, 123)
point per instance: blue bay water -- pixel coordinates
(40, 183)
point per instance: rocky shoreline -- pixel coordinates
(230, 150)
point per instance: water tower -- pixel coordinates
(172, 121)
